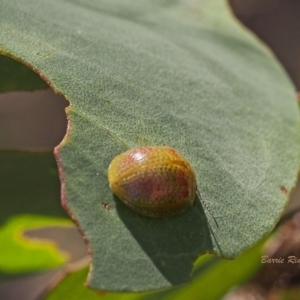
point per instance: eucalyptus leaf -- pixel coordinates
(208, 281)
(29, 184)
(20, 254)
(17, 77)
(176, 73)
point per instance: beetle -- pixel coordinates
(154, 181)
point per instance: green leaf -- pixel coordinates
(17, 77)
(22, 254)
(29, 198)
(159, 73)
(29, 184)
(72, 288)
(213, 278)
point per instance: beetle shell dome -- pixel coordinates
(156, 182)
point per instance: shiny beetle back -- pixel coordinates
(156, 182)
